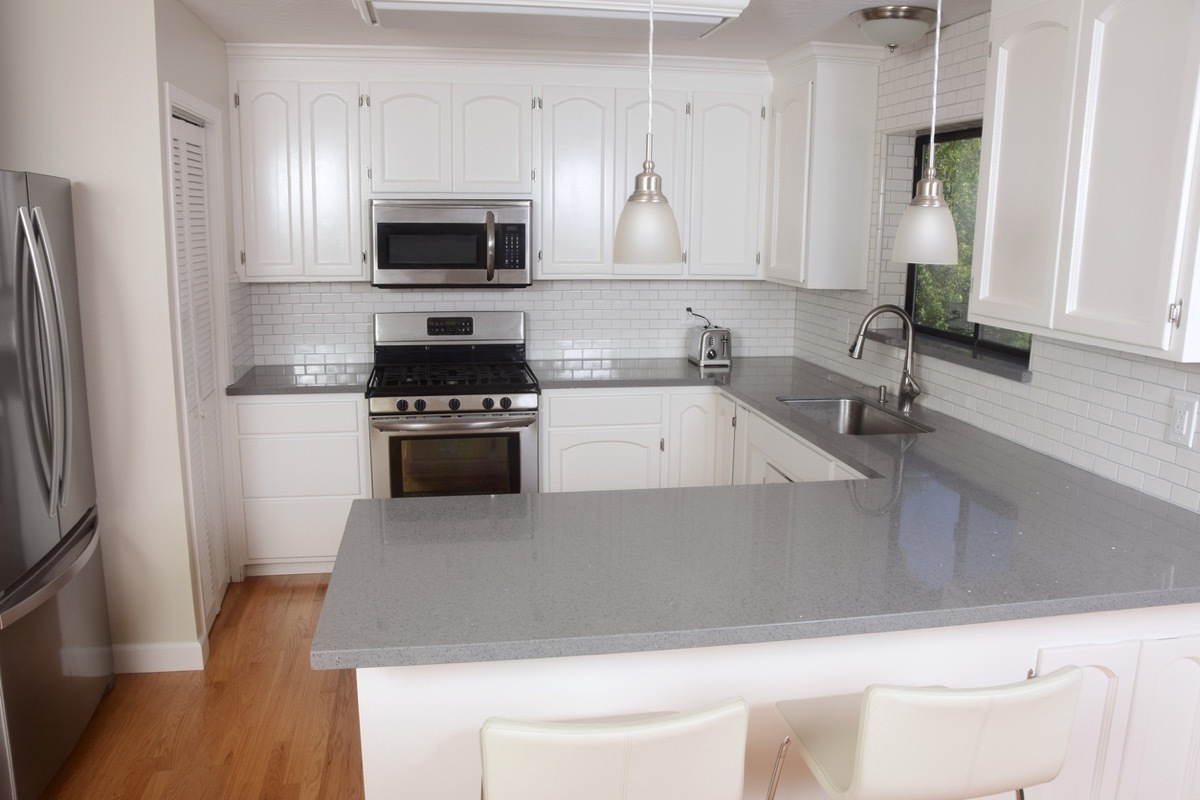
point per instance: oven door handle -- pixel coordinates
(454, 427)
(491, 246)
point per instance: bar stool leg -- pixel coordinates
(778, 770)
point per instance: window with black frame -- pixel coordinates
(937, 294)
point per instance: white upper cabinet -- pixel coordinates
(577, 181)
(410, 137)
(299, 212)
(822, 165)
(492, 128)
(1088, 215)
(727, 145)
(670, 163)
(462, 138)
(710, 161)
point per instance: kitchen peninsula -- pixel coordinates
(964, 559)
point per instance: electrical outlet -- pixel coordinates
(1181, 424)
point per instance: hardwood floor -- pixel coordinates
(256, 723)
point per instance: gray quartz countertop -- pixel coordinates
(957, 526)
(302, 379)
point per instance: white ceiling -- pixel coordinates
(765, 29)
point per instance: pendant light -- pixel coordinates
(647, 232)
(926, 234)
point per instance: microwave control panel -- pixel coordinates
(510, 247)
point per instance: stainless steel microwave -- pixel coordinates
(458, 243)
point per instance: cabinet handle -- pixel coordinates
(662, 445)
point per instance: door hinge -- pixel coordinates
(662, 445)
(1175, 312)
(237, 100)
(243, 257)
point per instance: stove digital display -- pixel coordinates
(450, 326)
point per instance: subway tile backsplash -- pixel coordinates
(302, 323)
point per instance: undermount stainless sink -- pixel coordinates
(853, 416)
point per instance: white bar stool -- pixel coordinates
(934, 743)
(699, 755)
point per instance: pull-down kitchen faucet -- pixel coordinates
(908, 385)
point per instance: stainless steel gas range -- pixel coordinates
(453, 405)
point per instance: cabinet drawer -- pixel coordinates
(582, 411)
(290, 529)
(342, 416)
(794, 457)
(297, 466)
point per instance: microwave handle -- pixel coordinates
(491, 246)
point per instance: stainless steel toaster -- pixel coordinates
(709, 346)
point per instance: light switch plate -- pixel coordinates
(1181, 423)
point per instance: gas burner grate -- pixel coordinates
(405, 377)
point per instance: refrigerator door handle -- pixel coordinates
(47, 578)
(64, 433)
(39, 352)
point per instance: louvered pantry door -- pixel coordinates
(197, 361)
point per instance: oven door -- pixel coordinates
(433, 456)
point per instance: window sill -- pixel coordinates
(996, 364)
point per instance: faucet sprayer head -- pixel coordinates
(857, 348)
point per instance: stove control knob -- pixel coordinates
(488, 403)
(419, 405)
(402, 405)
(506, 402)
(455, 404)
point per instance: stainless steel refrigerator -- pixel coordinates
(55, 647)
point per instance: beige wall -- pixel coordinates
(92, 115)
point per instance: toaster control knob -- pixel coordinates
(419, 405)
(488, 403)
(455, 404)
(506, 402)
(402, 405)
(711, 354)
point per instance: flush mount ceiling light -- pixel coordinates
(647, 232)
(893, 26)
(926, 234)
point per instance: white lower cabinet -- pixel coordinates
(606, 439)
(602, 439)
(1137, 729)
(767, 453)
(301, 460)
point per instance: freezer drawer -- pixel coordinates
(55, 665)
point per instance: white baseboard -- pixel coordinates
(293, 568)
(160, 657)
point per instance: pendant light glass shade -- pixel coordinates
(647, 232)
(926, 234)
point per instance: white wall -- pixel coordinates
(1097, 409)
(93, 116)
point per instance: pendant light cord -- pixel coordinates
(937, 48)
(650, 77)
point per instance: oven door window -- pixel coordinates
(431, 245)
(431, 466)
